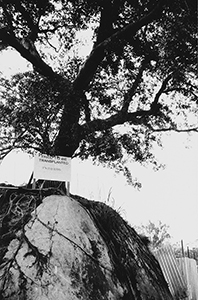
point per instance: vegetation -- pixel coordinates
(138, 80)
(154, 234)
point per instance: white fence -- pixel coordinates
(181, 274)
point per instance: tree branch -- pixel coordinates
(135, 118)
(98, 53)
(50, 30)
(181, 89)
(5, 150)
(154, 105)
(173, 128)
(105, 28)
(28, 52)
(131, 91)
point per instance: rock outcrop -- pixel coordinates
(72, 248)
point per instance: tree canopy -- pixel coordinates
(139, 78)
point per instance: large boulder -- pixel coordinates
(72, 248)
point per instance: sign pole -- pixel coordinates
(68, 188)
(34, 183)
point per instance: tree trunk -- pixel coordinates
(68, 138)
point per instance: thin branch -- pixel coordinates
(161, 90)
(131, 91)
(48, 42)
(135, 118)
(6, 150)
(52, 30)
(15, 139)
(173, 128)
(181, 89)
(16, 143)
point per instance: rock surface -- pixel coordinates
(78, 249)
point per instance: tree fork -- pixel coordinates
(101, 50)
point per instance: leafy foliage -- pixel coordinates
(138, 80)
(156, 233)
(33, 109)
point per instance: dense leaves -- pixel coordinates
(138, 80)
(32, 109)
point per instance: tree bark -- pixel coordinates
(68, 138)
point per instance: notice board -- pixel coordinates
(55, 168)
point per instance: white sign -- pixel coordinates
(57, 168)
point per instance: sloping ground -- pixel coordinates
(59, 247)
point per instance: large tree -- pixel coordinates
(140, 75)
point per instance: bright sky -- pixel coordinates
(11, 62)
(169, 195)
